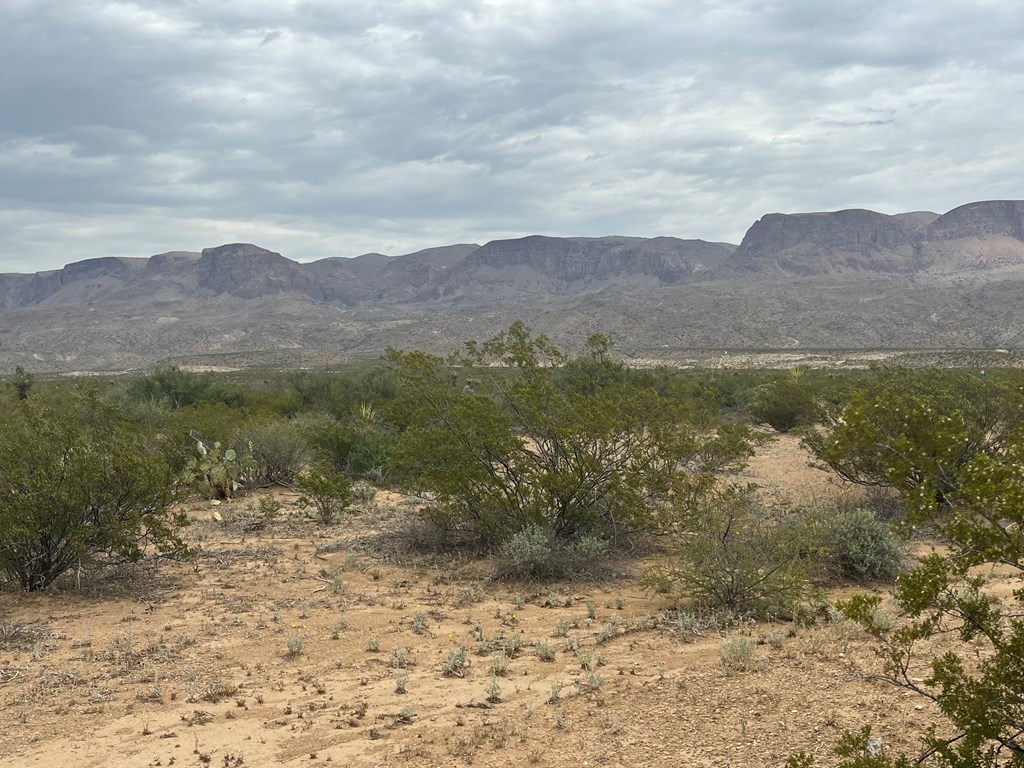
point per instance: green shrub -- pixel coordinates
(208, 422)
(738, 556)
(79, 488)
(786, 403)
(179, 389)
(498, 446)
(21, 382)
(531, 553)
(333, 444)
(915, 431)
(325, 492)
(364, 450)
(256, 516)
(953, 446)
(858, 546)
(277, 451)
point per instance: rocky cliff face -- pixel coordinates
(76, 283)
(514, 270)
(12, 290)
(575, 259)
(248, 272)
(843, 242)
(993, 218)
(376, 278)
(172, 263)
(827, 243)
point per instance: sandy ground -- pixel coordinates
(287, 647)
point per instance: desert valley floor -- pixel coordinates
(290, 645)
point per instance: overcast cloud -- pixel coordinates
(320, 128)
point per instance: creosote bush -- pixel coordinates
(363, 448)
(952, 446)
(80, 488)
(737, 556)
(276, 451)
(325, 492)
(512, 438)
(786, 403)
(915, 431)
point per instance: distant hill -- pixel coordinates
(852, 241)
(849, 279)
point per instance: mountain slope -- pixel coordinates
(851, 279)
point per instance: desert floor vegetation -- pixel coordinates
(450, 562)
(321, 645)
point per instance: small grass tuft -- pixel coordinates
(456, 663)
(295, 644)
(737, 654)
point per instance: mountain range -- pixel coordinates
(850, 279)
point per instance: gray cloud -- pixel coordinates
(318, 128)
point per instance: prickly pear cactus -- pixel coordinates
(215, 470)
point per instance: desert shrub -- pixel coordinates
(276, 450)
(738, 654)
(954, 450)
(333, 443)
(363, 492)
(499, 447)
(21, 383)
(255, 516)
(531, 553)
(785, 403)
(178, 389)
(456, 663)
(314, 390)
(526, 552)
(731, 390)
(342, 392)
(593, 371)
(915, 431)
(738, 556)
(362, 450)
(295, 645)
(149, 414)
(80, 488)
(884, 503)
(856, 545)
(325, 493)
(209, 423)
(371, 452)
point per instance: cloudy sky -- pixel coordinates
(335, 127)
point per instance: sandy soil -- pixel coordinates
(189, 664)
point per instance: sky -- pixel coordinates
(332, 128)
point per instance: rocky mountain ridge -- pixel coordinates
(536, 263)
(852, 278)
